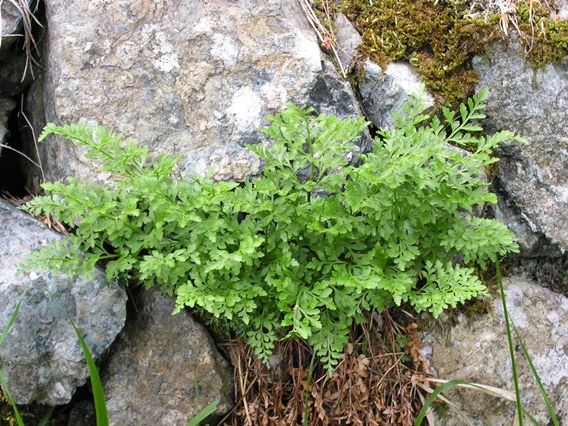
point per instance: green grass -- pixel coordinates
(510, 330)
(96, 386)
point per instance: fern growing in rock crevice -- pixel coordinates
(273, 255)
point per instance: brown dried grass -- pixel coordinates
(375, 383)
(28, 11)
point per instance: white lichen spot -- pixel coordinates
(103, 176)
(561, 194)
(172, 119)
(514, 302)
(533, 226)
(246, 108)
(224, 49)
(107, 46)
(408, 80)
(307, 49)
(552, 367)
(564, 305)
(203, 26)
(553, 317)
(58, 391)
(167, 60)
(167, 63)
(276, 95)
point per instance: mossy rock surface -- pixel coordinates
(440, 38)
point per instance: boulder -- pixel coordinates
(184, 77)
(6, 107)
(561, 9)
(532, 180)
(12, 79)
(163, 368)
(473, 347)
(11, 23)
(385, 91)
(41, 357)
(348, 40)
(15, 67)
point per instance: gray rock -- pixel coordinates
(6, 108)
(533, 178)
(562, 9)
(180, 77)
(41, 358)
(156, 365)
(474, 348)
(12, 79)
(83, 414)
(384, 92)
(348, 40)
(11, 20)
(532, 242)
(34, 108)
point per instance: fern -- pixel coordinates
(304, 250)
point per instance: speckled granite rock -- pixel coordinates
(348, 40)
(41, 357)
(474, 348)
(151, 375)
(6, 108)
(16, 68)
(11, 24)
(533, 179)
(184, 77)
(385, 91)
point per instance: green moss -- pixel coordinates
(436, 38)
(545, 39)
(7, 416)
(440, 40)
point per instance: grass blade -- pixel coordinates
(2, 379)
(45, 419)
(11, 322)
(490, 390)
(308, 380)
(98, 394)
(202, 415)
(448, 385)
(7, 392)
(511, 347)
(536, 376)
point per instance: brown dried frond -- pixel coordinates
(375, 383)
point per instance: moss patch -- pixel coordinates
(439, 38)
(545, 39)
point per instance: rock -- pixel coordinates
(83, 413)
(12, 69)
(158, 362)
(6, 108)
(41, 357)
(30, 129)
(475, 349)
(182, 78)
(532, 179)
(562, 9)
(15, 67)
(383, 93)
(348, 40)
(532, 242)
(11, 21)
